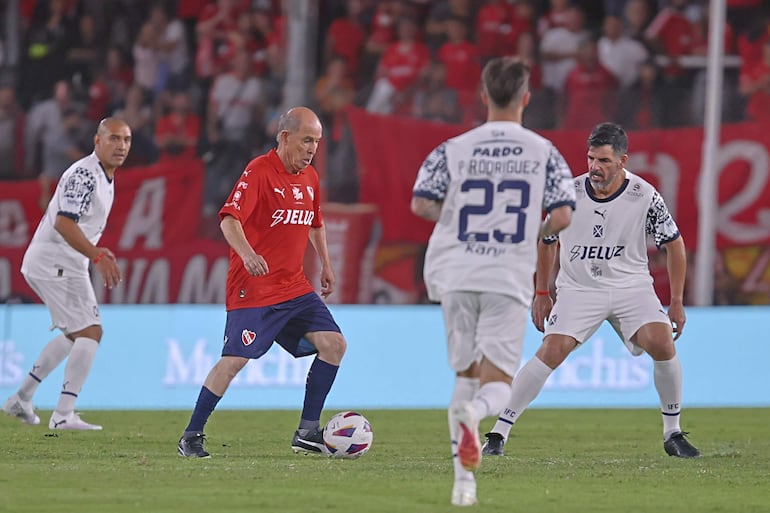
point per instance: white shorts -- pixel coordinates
(484, 324)
(579, 313)
(70, 301)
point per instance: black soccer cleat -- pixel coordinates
(494, 445)
(677, 445)
(191, 446)
(311, 442)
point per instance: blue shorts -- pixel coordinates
(249, 332)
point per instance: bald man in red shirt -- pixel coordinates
(267, 220)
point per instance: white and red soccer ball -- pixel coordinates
(348, 435)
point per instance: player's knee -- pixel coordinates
(555, 350)
(331, 347)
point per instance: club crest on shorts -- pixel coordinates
(247, 337)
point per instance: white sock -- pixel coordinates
(464, 390)
(75, 373)
(50, 357)
(490, 399)
(527, 384)
(668, 383)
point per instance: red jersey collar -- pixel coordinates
(274, 159)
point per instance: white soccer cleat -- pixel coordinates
(22, 410)
(72, 422)
(466, 429)
(464, 493)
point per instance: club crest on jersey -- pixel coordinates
(598, 230)
(297, 192)
(247, 337)
(310, 192)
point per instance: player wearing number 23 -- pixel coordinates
(487, 190)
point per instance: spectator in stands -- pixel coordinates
(334, 91)
(492, 24)
(138, 114)
(636, 17)
(11, 135)
(460, 58)
(216, 21)
(119, 76)
(671, 34)
(755, 86)
(146, 52)
(619, 53)
(436, 26)
(522, 19)
(84, 50)
(235, 103)
(557, 15)
(559, 47)
(173, 57)
(381, 33)
(177, 133)
(641, 105)
(44, 51)
(44, 121)
(399, 70)
(590, 92)
(60, 152)
(540, 112)
(434, 100)
(346, 37)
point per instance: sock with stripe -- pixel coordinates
(50, 357)
(527, 384)
(75, 373)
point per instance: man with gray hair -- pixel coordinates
(268, 218)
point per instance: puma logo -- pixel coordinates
(601, 212)
(280, 191)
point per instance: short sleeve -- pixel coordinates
(77, 193)
(433, 177)
(660, 225)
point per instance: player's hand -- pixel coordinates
(327, 281)
(678, 318)
(255, 265)
(541, 310)
(107, 265)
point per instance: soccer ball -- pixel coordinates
(348, 435)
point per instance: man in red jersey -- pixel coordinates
(270, 214)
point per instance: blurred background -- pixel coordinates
(202, 82)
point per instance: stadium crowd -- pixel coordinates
(205, 77)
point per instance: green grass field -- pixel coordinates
(557, 461)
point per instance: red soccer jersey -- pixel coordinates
(276, 209)
(403, 62)
(461, 61)
(348, 42)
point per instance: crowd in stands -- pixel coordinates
(204, 77)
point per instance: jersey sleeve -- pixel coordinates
(243, 198)
(77, 194)
(318, 220)
(433, 177)
(559, 183)
(660, 225)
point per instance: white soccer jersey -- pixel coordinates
(494, 182)
(85, 194)
(605, 245)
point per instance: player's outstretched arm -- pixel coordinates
(676, 264)
(426, 208)
(102, 258)
(232, 229)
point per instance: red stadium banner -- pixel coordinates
(390, 151)
(155, 207)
